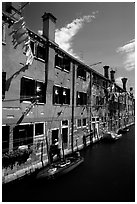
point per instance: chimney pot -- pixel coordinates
(124, 81)
(112, 72)
(106, 71)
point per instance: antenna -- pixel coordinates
(95, 64)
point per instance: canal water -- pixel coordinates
(107, 175)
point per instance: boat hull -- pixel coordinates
(56, 170)
(110, 137)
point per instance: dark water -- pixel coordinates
(107, 175)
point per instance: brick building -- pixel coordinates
(66, 99)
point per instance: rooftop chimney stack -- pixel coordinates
(106, 71)
(124, 81)
(49, 23)
(131, 89)
(112, 72)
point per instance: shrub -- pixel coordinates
(20, 156)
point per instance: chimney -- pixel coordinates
(112, 72)
(49, 23)
(124, 81)
(106, 71)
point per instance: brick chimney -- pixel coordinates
(106, 71)
(112, 72)
(124, 81)
(49, 23)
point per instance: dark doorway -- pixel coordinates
(54, 135)
(65, 137)
(5, 138)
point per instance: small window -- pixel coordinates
(78, 122)
(66, 96)
(58, 61)
(56, 95)
(40, 92)
(41, 52)
(93, 119)
(39, 128)
(81, 73)
(66, 63)
(31, 89)
(3, 84)
(61, 95)
(62, 62)
(81, 98)
(65, 122)
(84, 121)
(27, 92)
(22, 135)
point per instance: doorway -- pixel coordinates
(65, 137)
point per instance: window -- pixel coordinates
(81, 73)
(31, 89)
(3, 84)
(81, 98)
(56, 95)
(41, 52)
(93, 119)
(66, 64)
(22, 135)
(3, 33)
(78, 122)
(61, 95)
(62, 62)
(84, 121)
(65, 123)
(97, 119)
(58, 61)
(32, 45)
(39, 128)
(66, 96)
(27, 89)
(40, 92)
(5, 138)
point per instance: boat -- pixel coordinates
(111, 136)
(60, 168)
(124, 130)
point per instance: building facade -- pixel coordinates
(57, 97)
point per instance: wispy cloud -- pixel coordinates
(119, 81)
(64, 36)
(128, 51)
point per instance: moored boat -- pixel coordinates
(111, 136)
(122, 131)
(60, 168)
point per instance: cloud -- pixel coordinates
(128, 51)
(64, 36)
(119, 81)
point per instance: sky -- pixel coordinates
(92, 32)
